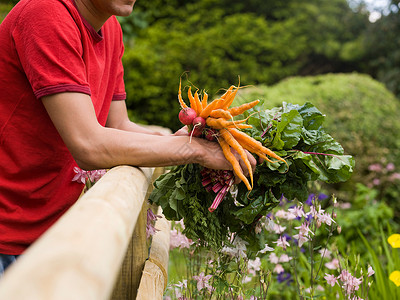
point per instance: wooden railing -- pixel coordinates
(98, 249)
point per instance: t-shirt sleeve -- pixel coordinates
(119, 92)
(49, 47)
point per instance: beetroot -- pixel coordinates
(187, 115)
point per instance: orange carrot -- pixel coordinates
(204, 101)
(193, 103)
(228, 92)
(181, 102)
(240, 126)
(198, 103)
(232, 160)
(221, 113)
(221, 123)
(210, 107)
(230, 99)
(245, 139)
(242, 108)
(224, 133)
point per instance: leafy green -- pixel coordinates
(293, 132)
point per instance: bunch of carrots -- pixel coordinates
(215, 121)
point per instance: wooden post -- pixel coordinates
(155, 274)
(79, 257)
(136, 255)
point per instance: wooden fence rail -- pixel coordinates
(80, 256)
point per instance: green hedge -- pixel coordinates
(214, 58)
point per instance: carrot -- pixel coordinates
(193, 103)
(221, 113)
(198, 103)
(210, 107)
(221, 123)
(242, 108)
(235, 145)
(232, 160)
(204, 101)
(247, 140)
(228, 92)
(240, 126)
(181, 102)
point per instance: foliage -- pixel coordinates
(4, 9)
(217, 41)
(293, 132)
(361, 114)
(301, 260)
(241, 44)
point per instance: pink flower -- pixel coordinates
(325, 218)
(273, 258)
(151, 218)
(254, 265)
(279, 269)
(280, 214)
(178, 239)
(80, 175)
(344, 276)
(390, 167)
(376, 181)
(304, 229)
(332, 265)
(202, 281)
(95, 175)
(266, 248)
(301, 239)
(285, 258)
(279, 229)
(330, 279)
(394, 176)
(281, 242)
(375, 167)
(325, 253)
(370, 271)
(150, 230)
(297, 211)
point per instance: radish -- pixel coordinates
(198, 125)
(187, 115)
(210, 134)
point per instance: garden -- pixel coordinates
(321, 218)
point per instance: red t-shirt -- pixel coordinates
(46, 47)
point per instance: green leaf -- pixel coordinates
(288, 131)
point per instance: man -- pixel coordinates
(61, 106)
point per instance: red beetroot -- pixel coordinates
(187, 115)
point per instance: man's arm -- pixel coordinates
(118, 118)
(95, 147)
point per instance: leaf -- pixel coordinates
(288, 131)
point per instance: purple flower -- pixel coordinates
(322, 197)
(310, 199)
(284, 277)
